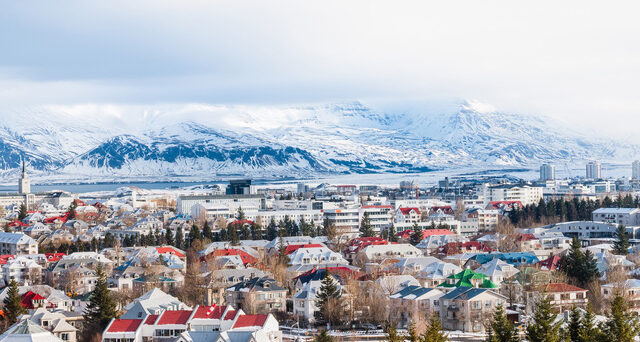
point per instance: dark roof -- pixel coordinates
(257, 284)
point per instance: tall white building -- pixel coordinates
(24, 186)
(547, 172)
(635, 170)
(594, 170)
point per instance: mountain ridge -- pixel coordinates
(276, 142)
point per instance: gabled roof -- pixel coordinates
(174, 317)
(245, 321)
(170, 250)
(562, 287)
(407, 211)
(124, 325)
(464, 293)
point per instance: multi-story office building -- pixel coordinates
(547, 172)
(635, 170)
(594, 170)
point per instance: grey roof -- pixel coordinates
(258, 284)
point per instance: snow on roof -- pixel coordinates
(16, 238)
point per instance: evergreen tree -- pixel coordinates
(392, 334)
(22, 214)
(168, 237)
(256, 231)
(365, 226)
(101, 308)
(543, 328)
(580, 267)
(572, 332)
(179, 238)
(621, 244)
(589, 331)
(71, 213)
(323, 337)
(329, 300)
(501, 329)
(392, 235)
(233, 234)
(272, 230)
(621, 325)
(206, 231)
(416, 236)
(434, 331)
(194, 234)
(13, 303)
(240, 214)
(412, 333)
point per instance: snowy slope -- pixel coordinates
(100, 142)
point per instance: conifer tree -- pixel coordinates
(206, 231)
(179, 238)
(329, 300)
(501, 329)
(434, 332)
(579, 267)
(240, 214)
(13, 303)
(589, 330)
(168, 236)
(256, 231)
(233, 234)
(543, 328)
(416, 236)
(412, 333)
(392, 334)
(323, 337)
(22, 214)
(272, 230)
(71, 212)
(621, 325)
(392, 235)
(101, 308)
(572, 332)
(194, 234)
(621, 244)
(365, 226)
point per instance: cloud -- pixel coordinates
(573, 59)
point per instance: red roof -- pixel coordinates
(445, 209)
(124, 325)
(29, 297)
(151, 319)
(241, 222)
(244, 256)
(174, 317)
(169, 250)
(550, 263)
(250, 321)
(430, 232)
(452, 248)
(53, 219)
(562, 287)
(292, 248)
(203, 311)
(5, 258)
(217, 312)
(407, 211)
(230, 314)
(17, 223)
(53, 257)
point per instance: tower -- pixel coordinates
(594, 170)
(547, 172)
(635, 174)
(24, 185)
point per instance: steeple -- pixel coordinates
(24, 185)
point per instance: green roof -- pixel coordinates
(465, 280)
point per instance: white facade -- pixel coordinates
(547, 172)
(525, 193)
(17, 243)
(594, 170)
(623, 216)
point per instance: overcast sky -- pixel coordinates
(578, 60)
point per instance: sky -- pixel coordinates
(574, 60)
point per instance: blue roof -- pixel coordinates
(515, 259)
(463, 293)
(412, 290)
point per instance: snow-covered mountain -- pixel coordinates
(204, 141)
